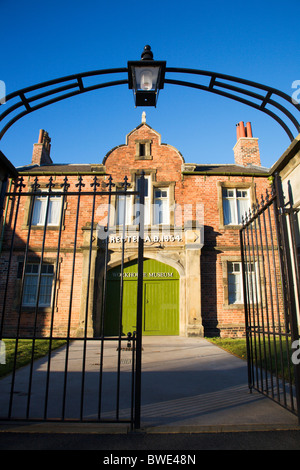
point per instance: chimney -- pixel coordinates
(41, 150)
(246, 150)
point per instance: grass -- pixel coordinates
(277, 355)
(235, 346)
(24, 352)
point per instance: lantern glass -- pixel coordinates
(146, 78)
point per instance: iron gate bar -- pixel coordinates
(19, 313)
(95, 184)
(50, 184)
(18, 194)
(255, 304)
(110, 184)
(258, 331)
(244, 101)
(65, 186)
(271, 292)
(288, 278)
(125, 185)
(15, 197)
(261, 302)
(137, 418)
(291, 212)
(77, 82)
(248, 326)
(278, 207)
(79, 185)
(258, 246)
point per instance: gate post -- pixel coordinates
(288, 278)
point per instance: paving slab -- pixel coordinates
(189, 385)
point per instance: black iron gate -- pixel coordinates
(54, 261)
(271, 298)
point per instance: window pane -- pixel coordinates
(122, 210)
(146, 185)
(40, 208)
(31, 285)
(243, 206)
(229, 211)
(235, 295)
(234, 288)
(54, 210)
(147, 202)
(235, 205)
(38, 216)
(47, 268)
(158, 216)
(45, 290)
(161, 207)
(142, 150)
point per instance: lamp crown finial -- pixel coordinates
(147, 54)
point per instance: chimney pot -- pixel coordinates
(242, 131)
(249, 129)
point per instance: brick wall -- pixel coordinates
(165, 164)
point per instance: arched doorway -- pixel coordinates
(160, 304)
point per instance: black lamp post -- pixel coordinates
(146, 78)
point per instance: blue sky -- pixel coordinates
(257, 40)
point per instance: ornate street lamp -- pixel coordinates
(146, 78)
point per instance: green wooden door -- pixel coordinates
(161, 299)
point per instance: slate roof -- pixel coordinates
(228, 169)
(63, 168)
(221, 169)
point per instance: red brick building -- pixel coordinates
(192, 269)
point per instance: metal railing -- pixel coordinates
(270, 292)
(93, 377)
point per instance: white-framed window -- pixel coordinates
(161, 206)
(156, 203)
(31, 281)
(40, 209)
(147, 204)
(236, 202)
(235, 285)
(235, 282)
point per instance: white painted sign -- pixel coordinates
(148, 239)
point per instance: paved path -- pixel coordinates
(188, 386)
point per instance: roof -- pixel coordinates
(187, 169)
(63, 169)
(286, 156)
(225, 169)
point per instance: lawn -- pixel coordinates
(235, 346)
(24, 352)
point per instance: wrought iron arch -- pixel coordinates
(261, 97)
